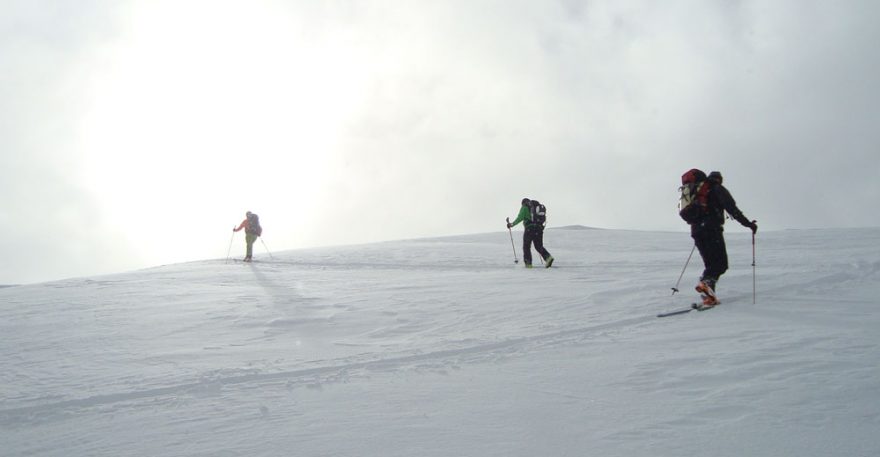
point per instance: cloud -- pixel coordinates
(158, 124)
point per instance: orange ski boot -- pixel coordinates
(707, 294)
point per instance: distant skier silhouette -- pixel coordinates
(252, 231)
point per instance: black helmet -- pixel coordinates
(716, 176)
(526, 201)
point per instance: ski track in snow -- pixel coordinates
(305, 377)
(304, 320)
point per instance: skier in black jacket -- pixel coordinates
(708, 235)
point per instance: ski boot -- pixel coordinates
(707, 294)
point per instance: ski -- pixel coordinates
(694, 306)
(676, 312)
(702, 307)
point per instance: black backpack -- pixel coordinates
(539, 212)
(254, 224)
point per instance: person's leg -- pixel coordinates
(704, 249)
(528, 237)
(718, 258)
(706, 284)
(539, 245)
(249, 239)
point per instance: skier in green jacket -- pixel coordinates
(534, 233)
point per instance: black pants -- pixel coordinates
(712, 249)
(534, 234)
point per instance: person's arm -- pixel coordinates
(244, 224)
(523, 215)
(729, 205)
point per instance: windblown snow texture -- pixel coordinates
(442, 347)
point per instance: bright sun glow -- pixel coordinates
(206, 110)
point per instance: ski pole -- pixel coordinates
(267, 249)
(675, 289)
(754, 274)
(230, 247)
(515, 259)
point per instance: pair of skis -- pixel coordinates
(703, 294)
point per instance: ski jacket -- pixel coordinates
(720, 201)
(246, 225)
(525, 216)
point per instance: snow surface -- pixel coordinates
(445, 347)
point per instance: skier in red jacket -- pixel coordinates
(252, 230)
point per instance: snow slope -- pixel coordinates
(445, 347)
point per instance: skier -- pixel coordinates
(534, 232)
(707, 230)
(252, 230)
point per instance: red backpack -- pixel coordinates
(693, 204)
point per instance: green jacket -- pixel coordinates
(525, 216)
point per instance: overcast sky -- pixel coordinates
(137, 133)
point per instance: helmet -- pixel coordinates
(526, 201)
(716, 176)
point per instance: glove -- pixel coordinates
(754, 227)
(508, 225)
